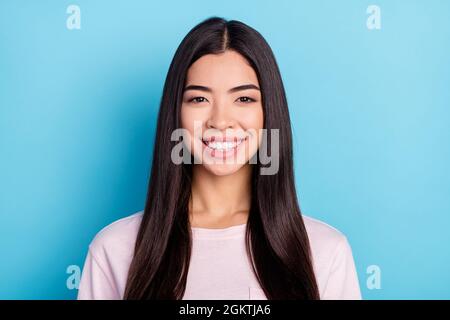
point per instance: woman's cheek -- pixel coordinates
(252, 119)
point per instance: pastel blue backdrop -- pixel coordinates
(369, 108)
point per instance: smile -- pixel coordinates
(223, 146)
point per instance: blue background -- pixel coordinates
(370, 114)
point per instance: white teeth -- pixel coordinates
(223, 146)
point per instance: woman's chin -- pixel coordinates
(223, 169)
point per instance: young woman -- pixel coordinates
(221, 229)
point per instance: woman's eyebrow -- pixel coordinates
(235, 89)
(243, 87)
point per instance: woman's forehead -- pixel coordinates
(221, 71)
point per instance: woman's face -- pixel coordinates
(222, 112)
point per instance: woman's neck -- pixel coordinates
(219, 201)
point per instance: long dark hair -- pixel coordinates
(276, 238)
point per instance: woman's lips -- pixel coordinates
(222, 148)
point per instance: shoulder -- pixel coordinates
(333, 261)
(109, 256)
(322, 232)
(325, 240)
(118, 235)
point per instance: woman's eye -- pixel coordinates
(245, 99)
(197, 99)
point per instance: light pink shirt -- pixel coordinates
(219, 267)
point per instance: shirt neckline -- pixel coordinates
(219, 233)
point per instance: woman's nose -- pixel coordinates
(220, 117)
